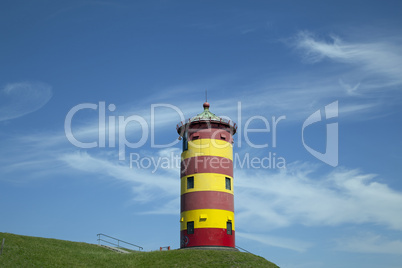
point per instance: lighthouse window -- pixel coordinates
(190, 227)
(227, 182)
(229, 228)
(190, 182)
(185, 142)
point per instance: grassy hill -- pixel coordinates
(26, 251)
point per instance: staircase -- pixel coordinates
(102, 239)
(118, 250)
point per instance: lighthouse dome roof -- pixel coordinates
(206, 114)
(206, 117)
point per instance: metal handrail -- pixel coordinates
(244, 250)
(118, 241)
(108, 242)
(198, 119)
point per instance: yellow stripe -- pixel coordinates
(210, 218)
(207, 182)
(212, 147)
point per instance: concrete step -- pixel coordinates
(118, 250)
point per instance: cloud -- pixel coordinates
(275, 241)
(315, 51)
(349, 89)
(379, 58)
(19, 99)
(298, 195)
(171, 207)
(146, 185)
(370, 243)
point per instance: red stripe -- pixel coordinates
(207, 200)
(206, 164)
(210, 133)
(207, 237)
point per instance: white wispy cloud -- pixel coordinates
(351, 90)
(275, 241)
(298, 195)
(19, 99)
(381, 58)
(144, 182)
(171, 207)
(370, 243)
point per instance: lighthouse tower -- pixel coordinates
(207, 208)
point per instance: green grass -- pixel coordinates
(26, 251)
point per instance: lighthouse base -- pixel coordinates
(207, 237)
(213, 248)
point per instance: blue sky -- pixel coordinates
(148, 64)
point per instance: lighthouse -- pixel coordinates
(207, 199)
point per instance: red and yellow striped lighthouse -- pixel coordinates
(207, 207)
